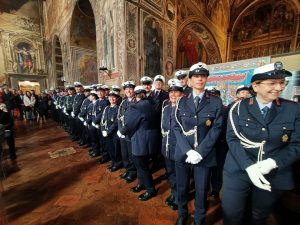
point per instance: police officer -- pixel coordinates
(181, 75)
(68, 107)
(159, 93)
(169, 140)
(101, 103)
(130, 173)
(263, 135)
(140, 126)
(82, 116)
(197, 128)
(88, 120)
(242, 92)
(77, 102)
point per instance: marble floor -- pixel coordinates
(74, 189)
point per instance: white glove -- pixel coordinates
(266, 165)
(257, 177)
(72, 114)
(120, 135)
(56, 107)
(193, 157)
(81, 119)
(104, 133)
(85, 124)
(65, 111)
(55, 103)
(95, 125)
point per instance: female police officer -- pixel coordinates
(169, 139)
(264, 140)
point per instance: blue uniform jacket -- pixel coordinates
(140, 126)
(169, 139)
(109, 120)
(78, 99)
(91, 113)
(83, 108)
(208, 120)
(100, 106)
(281, 131)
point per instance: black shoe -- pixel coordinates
(82, 143)
(129, 179)
(103, 160)
(94, 154)
(170, 199)
(137, 188)
(173, 206)
(114, 168)
(146, 196)
(197, 223)
(124, 175)
(181, 221)
(87, 146)
(109, 167)
(75, 139)
(214, 195)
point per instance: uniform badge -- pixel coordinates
(285, 138)
(208, 123)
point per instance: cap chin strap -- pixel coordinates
(245, 142)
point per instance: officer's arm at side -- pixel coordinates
(236, 150)
(291, 152)
(207, 144)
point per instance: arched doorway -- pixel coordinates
(58, 63)
(83, 43)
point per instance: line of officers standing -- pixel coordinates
(182, 130)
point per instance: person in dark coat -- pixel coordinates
(181, 75)
(43, 106)
(140, 126)
(8, 122)
(263, 135)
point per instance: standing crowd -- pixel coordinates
(251, 144)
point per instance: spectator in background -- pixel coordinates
(43, 106)
(7, 121)
(29, 103)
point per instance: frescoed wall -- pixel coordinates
(153, 46)
(21, 42)
(264, 29)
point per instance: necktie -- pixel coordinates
(265, 111)
(197, 101)
(156, 93)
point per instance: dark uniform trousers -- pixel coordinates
(207, 117)
(201, 178)
(113, 149)
(221, 146)
(280, 130)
